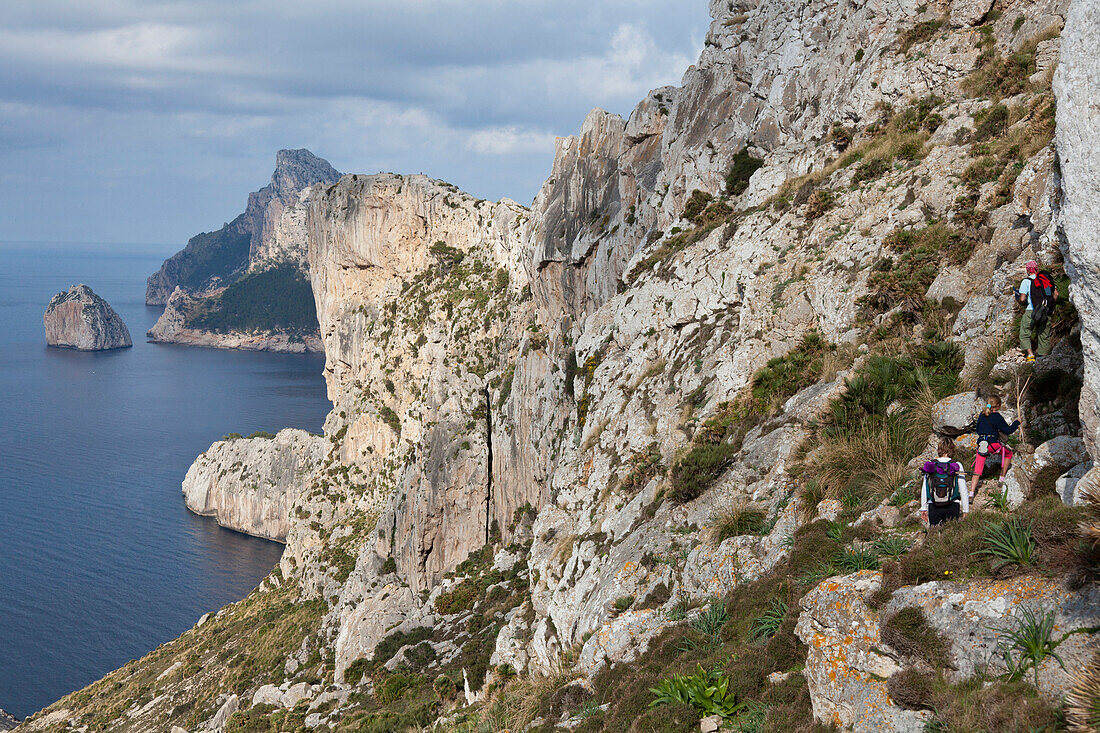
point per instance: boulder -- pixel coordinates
(954, 415)
(1071, 485)
(846, 665)
(965, 13)
(1058, 455)
(79, 319)
(225, 712)
(267, 695)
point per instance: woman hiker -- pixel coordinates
(943, 487)
(989, 427)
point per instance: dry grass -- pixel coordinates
(1083, 701)
(872, 457)
(738, 517)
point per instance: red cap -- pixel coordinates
(1032, 266)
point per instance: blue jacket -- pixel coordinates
(990, 426)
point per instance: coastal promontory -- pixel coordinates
(79, 319)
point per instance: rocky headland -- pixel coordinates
(217, 291)
(250, 484)
(659, 432)
(7, 720)
(79, 319)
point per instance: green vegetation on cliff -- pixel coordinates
(276, 299)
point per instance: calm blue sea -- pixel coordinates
(99, 560)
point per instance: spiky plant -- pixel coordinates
(1083, 701)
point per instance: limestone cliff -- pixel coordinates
(251, 484)
(667, 420)
(79, 319)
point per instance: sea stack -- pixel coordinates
(80, 319)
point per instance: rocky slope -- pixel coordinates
(250, 484)
(7, 722)
(667, 420)
(213, 289)
(80, 319)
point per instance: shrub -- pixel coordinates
(784, 376)
(991, 122)
(390, 418)
(920, 255)
(696, 204)
(696, 469)
(741, 170)
(740, 519)
(397, 685)
(870, 169)
(911, 688)
(918, 33)
(445, 687)
(892, 546)
(460, 598)
(389, 566)
(909, 633)
(709, 623)
(707, 692)
(819, 202)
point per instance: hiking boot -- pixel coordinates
(1030, 357)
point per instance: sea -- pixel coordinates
(100, 561)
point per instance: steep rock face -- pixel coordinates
(250, 484)
(80, 319)
(1077, 86)
(215, 259)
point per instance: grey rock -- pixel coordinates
(969, 12)
(1071, 484)
(217, 723)
(7, 720)
(79, 319)
(954, 415)
(1076, 87)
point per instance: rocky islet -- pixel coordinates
(79, 319)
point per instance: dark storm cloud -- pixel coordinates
(149, 117)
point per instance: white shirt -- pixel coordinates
(1025, 289)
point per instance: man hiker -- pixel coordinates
(1038, 294)
(943, 487)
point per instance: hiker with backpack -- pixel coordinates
(990, 425)
(1038, 294)
(943, 487)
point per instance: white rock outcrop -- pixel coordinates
(251, 484)
(79, 319)
(1077, 88)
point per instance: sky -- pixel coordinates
(151, 120)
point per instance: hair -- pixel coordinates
(947, 447)
(993, 402)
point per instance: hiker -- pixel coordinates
(988, 428)
(1039, 294)
(943, 487)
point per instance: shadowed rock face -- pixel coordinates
(80, 319)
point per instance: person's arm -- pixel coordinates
(964, 496)
(1003, 427)
(924, 498)
(1022, 291)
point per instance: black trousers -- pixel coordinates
(940, 514)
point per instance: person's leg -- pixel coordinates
(1025, 332)
(979, 466)
(940, 514)
(1044, 339)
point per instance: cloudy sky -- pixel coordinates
(150, 120)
